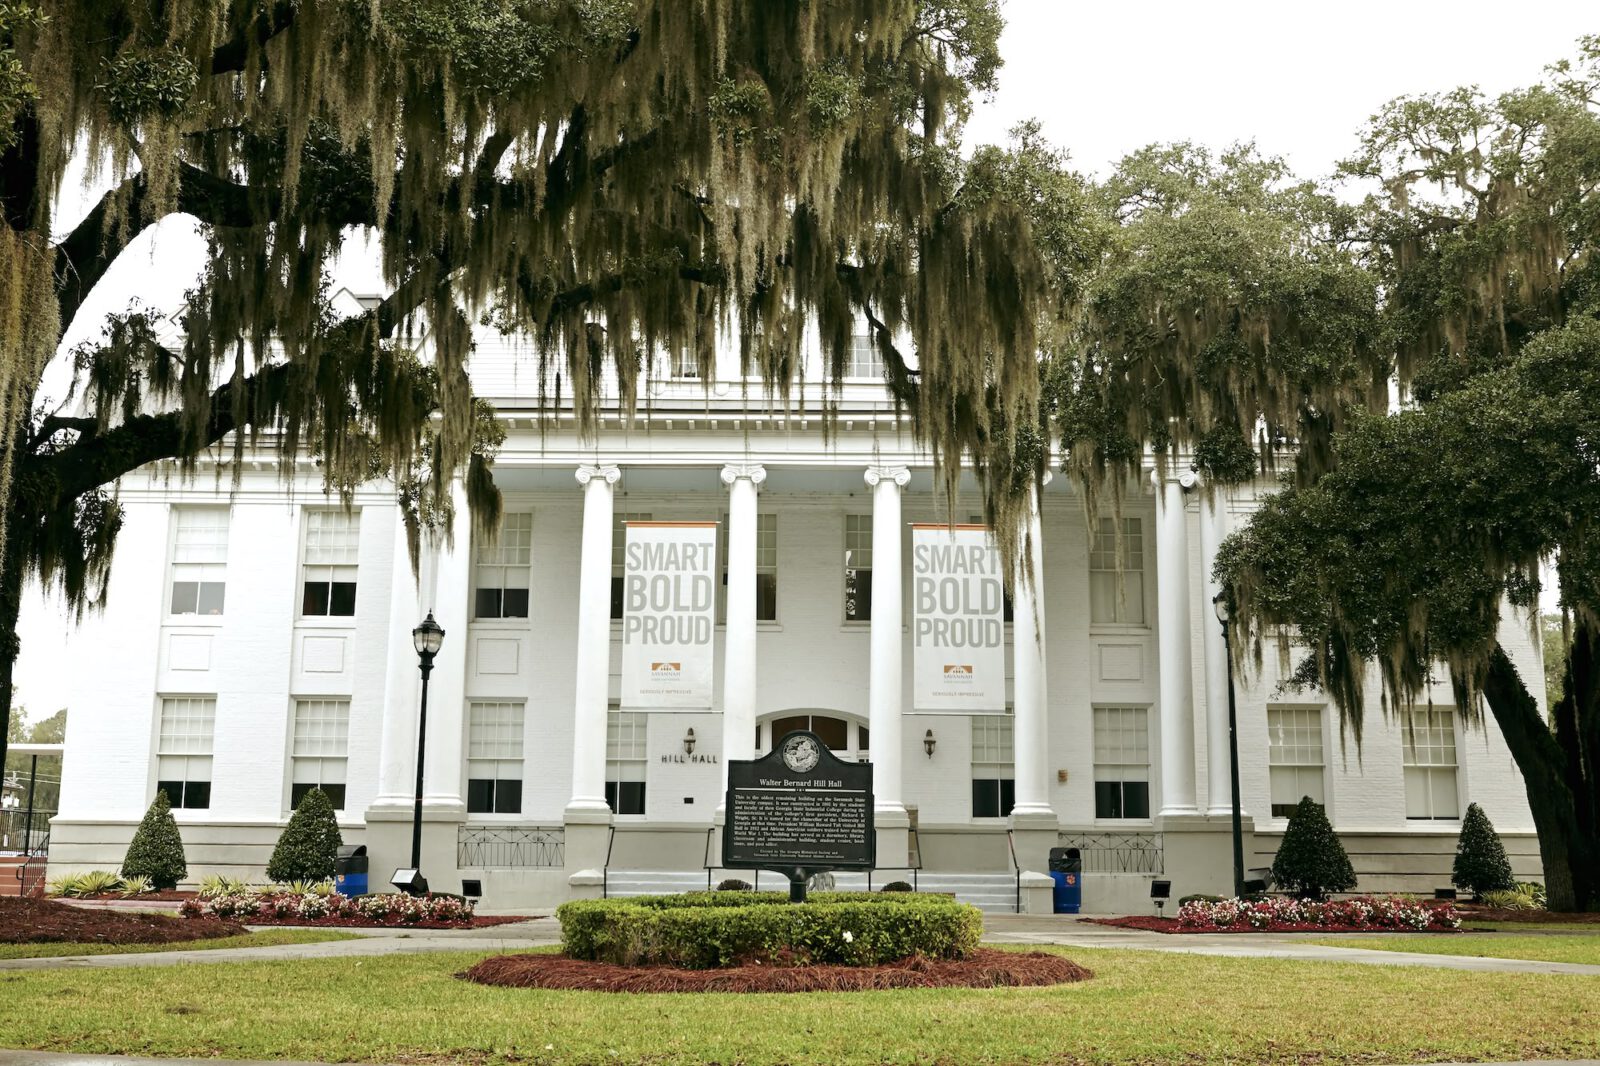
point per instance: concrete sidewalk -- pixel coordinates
(1063, 930)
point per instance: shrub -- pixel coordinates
(383, 909)
(89, 883)
(701, 931)
(1481, 863)
(157, 849)
(733, 884)
(1508, 900)
(309, 846)
(223, 885)
(1366, 912)
(1198, 897)
(896, 886)
(134, 886)
(1534, 889)
(1311, 862)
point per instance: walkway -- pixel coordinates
(998, 929)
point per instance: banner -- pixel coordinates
(669, 610)
(957, 621)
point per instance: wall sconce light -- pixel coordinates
(1061, 776)
(928, 743)
(688, 742)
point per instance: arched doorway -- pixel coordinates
(847, 736)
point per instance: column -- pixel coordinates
(739, 642)
(885, 675)
(590, 698)
(1213, 528)
(397, 753)
(1173, 637)
(1030, 704)
(450, 600)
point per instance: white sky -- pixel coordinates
(1298, 78)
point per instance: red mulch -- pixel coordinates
(1151, 924)
(42, 921)
(984, 968)
(477, 921)
(1495, 914)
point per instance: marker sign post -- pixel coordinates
(799, 810)
(957, 621)
(668, 615)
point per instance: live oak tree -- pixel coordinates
(620, 180)
(1435, 519)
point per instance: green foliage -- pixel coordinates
(156, 851)
(704, 930)
(1508, 900)
(1534, 890)
(134, 885)
(223, 885)
(1481, 864)
(88, 884)
(16, 87)
(1311, 862)
(1555, 644)
(145, 83)
(309, 845)
(733, 884)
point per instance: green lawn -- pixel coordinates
(266, 939)
(1549, 948)
(1141, 1007)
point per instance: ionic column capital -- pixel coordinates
(755, 473)
(609, 472)
(899, 475)
(1184, 479)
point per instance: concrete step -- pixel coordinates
(992, 893)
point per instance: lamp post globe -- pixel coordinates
(427, 638)
(1220, 604)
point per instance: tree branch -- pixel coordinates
(230, 56)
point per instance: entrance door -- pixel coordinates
(847, 738)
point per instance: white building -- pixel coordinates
(258, 642)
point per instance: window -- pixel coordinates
(329, 577)
(1294, 754)
(1429, 737)
(502, 570)
(494, 758)
(1121, 762)
(857, 568)
(183, 750)
(199, 560)
(619, 548)
(866, 361)
(766, 569)
(686, 366)
(1109, 600)
(321, 743)
(835, 732)
(993, 776)
(625, 761)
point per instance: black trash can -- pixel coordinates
(350, 870)
(1066, 870)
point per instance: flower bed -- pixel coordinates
(1278, 914)
(391, 908)
(704, 930)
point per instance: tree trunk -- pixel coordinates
(1566, 847)
(10, 644)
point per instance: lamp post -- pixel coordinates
(427, 638)
(1224, 615)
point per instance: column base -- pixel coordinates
(1034, 831)
(1197, 852)
(587, 836)
(892, 826)
(388, 841)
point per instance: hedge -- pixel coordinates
(704, 930)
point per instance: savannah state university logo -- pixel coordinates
(958, 673)
(666, 671)
(800, 754)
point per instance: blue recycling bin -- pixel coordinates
(1066, 870)
(350, 871)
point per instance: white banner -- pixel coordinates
(669, 610)
(957, 620)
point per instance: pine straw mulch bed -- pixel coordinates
(1470, 913)
(1151, 924)
(477, 921)
(43, 921)
(984, 968)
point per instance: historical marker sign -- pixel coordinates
(799, 810)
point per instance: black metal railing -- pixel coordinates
(491, 847)
(1011, 842)
(1118, 853)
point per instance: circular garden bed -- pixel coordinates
(760, 942)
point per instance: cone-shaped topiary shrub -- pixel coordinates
(157, 850)
(1481, 863)
(310, 842)
(1311, 862)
